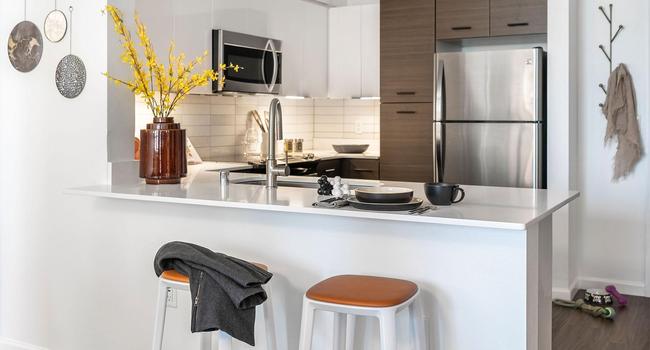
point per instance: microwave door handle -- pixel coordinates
(275, 66)
(266, 85)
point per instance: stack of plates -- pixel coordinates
(385, 199)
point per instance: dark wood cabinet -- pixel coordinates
(407, 78)
(406, 26)
(514, 17)
(461, 19)
(407, 44)
(457, 19)
(330, 168)
(407, 142)
(366, 169)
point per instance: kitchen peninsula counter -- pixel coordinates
(489, 207)
(484, 265)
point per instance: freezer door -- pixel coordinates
(491, 154)
(490, 86)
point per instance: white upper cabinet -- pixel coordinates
(300, 25)
(370, 51)
(354, 51)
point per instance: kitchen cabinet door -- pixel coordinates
(345, 52)
(354, 51)
(330, 168)
(406, 51)
(407, 78)
(512, 17)
(192, 34)
(406, 142)
(365, 169)
(458, 19)
(407, 26)
(370, 51)
(314, 70)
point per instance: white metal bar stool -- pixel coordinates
(175, 280)
(350, 296)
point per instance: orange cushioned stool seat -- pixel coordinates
(351, 296)
(175, 276)
(366, 291)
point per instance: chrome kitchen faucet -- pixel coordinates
(273, 170)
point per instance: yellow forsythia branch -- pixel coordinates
(153, 81)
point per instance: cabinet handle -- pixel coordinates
(363, 170)
(406, 93)
(405, 112)
(461, 28)
(330, 170)
(519, 24)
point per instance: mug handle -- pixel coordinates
(462, 195)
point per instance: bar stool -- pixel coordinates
(175, 280)
(350, 296)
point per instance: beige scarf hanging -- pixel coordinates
(622, 124)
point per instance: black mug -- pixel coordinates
(443, 194)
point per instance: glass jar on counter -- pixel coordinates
(298, 147)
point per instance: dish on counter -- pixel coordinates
(413, 204)
(350, 148)
(392, 195)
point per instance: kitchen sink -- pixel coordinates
(285, 183)
(281, 183)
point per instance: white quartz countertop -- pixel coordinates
(488, 207)
(326, 155)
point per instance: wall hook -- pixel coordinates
(609, 51)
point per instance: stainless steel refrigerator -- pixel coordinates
(489, 122)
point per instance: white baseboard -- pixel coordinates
(566, 293)
(626, 287)
(10, 344)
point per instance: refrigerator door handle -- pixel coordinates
(439, 152)
(440, 92)
(538, 166)
(439, 126)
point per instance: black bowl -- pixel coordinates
(384, 194)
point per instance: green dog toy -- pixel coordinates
(595, 311)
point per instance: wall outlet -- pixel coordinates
(358, 127)
(172, 298)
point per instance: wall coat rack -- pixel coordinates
(609, 51)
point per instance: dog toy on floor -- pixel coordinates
(620, 298)
(596, 311)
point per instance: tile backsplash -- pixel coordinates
(216, 125)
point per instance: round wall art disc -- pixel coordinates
(56, 25)
(25, 46)
(70, 76)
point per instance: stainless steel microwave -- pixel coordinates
(260, 59)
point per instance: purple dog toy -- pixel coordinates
(620, 298)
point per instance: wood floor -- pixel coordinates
(630, 330)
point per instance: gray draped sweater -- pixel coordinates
(225, 290)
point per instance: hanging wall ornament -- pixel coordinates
(71, 72)
(56, 25)
(25, 47)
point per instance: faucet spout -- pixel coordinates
(273, 170)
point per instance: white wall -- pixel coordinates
(612, 218)
(49, 143)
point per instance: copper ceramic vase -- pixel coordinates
(162, 154)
